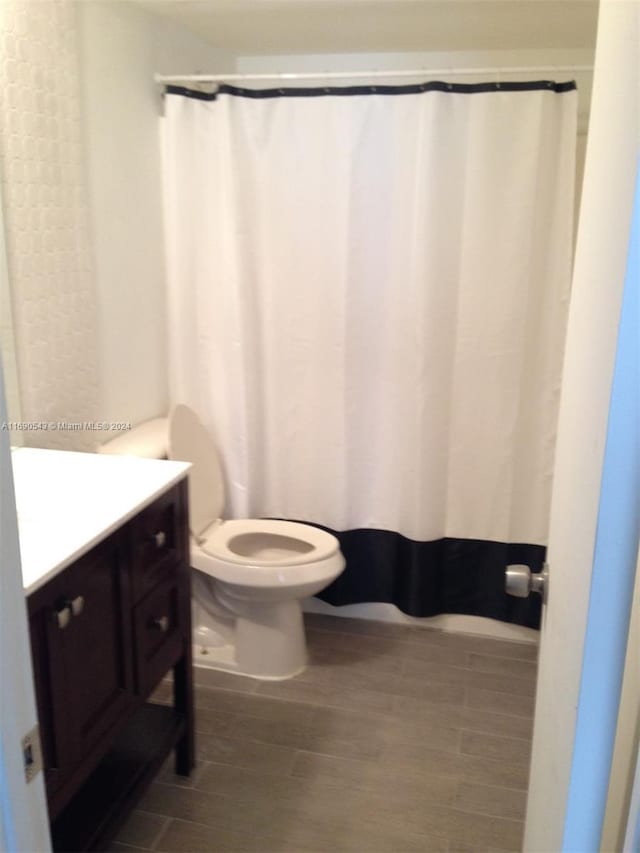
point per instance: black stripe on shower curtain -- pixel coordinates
(463, 576)
(409, 89)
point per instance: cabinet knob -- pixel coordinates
(160, 538)
(77, 605)
(63, 617)
(161, 623)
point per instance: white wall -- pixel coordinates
(178, 51)
(7, 342)
(44, 197)
(121, 48)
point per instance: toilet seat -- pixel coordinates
(268, 543)
(246, 542)
(213, 555)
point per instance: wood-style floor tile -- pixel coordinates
(501, 703)
(142, 829)
(504, 666)
(242, 752)
(490, 722)
(487, 799)
(516, 750)
(395, 739)
(183, 836)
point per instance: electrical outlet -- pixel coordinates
(32, 753)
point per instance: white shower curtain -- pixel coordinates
(367, 300)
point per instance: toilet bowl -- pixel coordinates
(251, 574)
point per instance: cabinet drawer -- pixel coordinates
(156, 538)
(158, 638)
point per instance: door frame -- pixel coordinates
(632, 830)
(594, 520)
(24, 823)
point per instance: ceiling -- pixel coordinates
(248, 27)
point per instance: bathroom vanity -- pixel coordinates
(104, 547)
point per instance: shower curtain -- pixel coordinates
(367, 297)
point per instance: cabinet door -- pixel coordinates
(97, 645)
(81, 652)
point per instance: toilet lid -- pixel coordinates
(189, 441)
(263, 542)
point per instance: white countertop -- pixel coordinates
(68, 502)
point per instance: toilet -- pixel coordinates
(251, 574)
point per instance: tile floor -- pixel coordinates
(395, 739)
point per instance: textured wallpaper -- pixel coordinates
(44, 194)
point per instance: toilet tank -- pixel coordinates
(149, 439)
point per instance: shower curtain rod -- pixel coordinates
(417, 72)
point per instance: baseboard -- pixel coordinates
(383, 612)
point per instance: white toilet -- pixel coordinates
(251, 573)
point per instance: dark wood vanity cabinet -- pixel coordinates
(104, 632)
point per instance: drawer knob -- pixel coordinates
(161, 623)
(77, 605)
(160, 538)
(63, 617)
